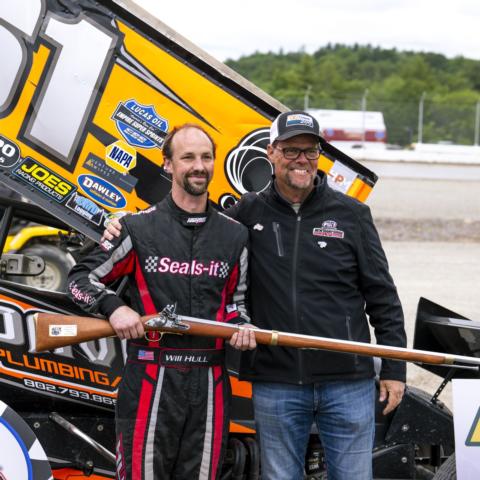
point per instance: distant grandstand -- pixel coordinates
(352, 128)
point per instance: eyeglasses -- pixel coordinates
(292, 153)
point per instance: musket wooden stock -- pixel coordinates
(55, 330)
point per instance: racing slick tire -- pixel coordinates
(448, 470)
(57, 265)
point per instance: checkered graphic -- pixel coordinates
(223, 270)
(151, 264)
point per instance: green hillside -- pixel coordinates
(338, 76)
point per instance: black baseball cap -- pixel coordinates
(293, 123)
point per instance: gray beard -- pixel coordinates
(292, 185)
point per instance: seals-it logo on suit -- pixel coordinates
(212, 268)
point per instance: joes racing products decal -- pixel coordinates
(44, 179)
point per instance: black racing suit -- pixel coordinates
(320, 271)
(173, 402)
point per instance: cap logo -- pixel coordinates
(299, 119)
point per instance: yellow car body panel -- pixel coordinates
(83, 138)
(16, 242)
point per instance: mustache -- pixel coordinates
(197, 173)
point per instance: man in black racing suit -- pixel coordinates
(173, 402)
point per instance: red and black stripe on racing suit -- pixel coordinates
(173, 402)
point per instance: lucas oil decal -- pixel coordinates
(43, 179)
(140, 125)
(101, 191)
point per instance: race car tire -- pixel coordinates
(57, 265)
(448, 470)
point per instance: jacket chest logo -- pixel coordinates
(328, 229)
(212, 268)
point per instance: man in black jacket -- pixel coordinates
(317, 267)
(172, 414)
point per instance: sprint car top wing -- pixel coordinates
(88, 92)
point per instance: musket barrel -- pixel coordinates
(54, 331)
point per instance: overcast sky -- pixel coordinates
(230, 29)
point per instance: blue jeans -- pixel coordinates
(344, 412)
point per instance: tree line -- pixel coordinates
(391, 81)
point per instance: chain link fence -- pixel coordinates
(443, 122)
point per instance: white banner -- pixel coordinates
(466, 419)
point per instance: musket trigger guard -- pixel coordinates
(160, 336)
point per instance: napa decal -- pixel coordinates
(473, 437)
(9, 153)
(43, 179)
(101, 191)
(84, 207)
(140, 125)
(121, 157)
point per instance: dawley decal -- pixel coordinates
(328, 229)
(44, 179)
(101, 191)
(140, 125)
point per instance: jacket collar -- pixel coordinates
(186, 218)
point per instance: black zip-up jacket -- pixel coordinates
(198, 261)
(318, 272)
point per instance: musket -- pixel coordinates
(55, 330)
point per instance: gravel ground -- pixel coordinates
(447, 273)
(430, 230)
